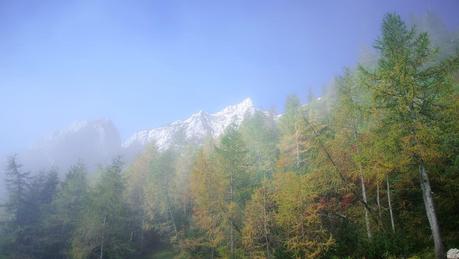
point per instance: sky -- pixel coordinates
(144, 64)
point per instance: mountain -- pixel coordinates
(94, 143)
(97, 142)
(195, 129)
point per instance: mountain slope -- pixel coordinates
(192, 130)
(91, 142)
(97, 142)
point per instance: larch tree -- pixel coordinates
(209, 209)
(232, 163)
(298, 215)
(350, 119)
(292, 137)
(259, 232)
(159, 195)
(408, 86)
(137, 175)
(260, 133)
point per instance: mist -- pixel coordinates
(229, 130)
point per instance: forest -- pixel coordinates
(369, 170)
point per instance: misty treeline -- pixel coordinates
(369, 170)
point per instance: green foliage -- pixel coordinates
(103, 227)
(325, 180)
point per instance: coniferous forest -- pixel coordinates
(369, 170)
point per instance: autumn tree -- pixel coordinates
(209, 209)
(291, 143)
(260, 133)
(298, 216)
(408, 87)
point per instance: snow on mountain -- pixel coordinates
(97, 142)
(194, 129)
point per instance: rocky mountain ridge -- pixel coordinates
(97, 142)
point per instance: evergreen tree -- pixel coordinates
(160, 202)
(16, 183)
(67, 209)
(103, 230)
(232, 164)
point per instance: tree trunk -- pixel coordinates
(231, 219)
(171, 216)
(390, 205)
(364, 196)
(265, 223)
(297, 149)
(102, 240)
(231, 241)
(378, 202)
(141, 229)
(265, 217)
(430, 211)
(362, 183)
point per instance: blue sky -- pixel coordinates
(146, 63)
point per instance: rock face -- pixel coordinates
(453, 253)
(195, 129)
(91, 142)
(97, 142)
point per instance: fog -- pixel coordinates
(229, 130)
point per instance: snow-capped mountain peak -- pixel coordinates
(97, 142)
(194, 129)
(239, 108)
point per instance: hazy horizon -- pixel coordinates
(146, 64)
(229, 129)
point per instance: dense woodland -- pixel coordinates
(370, 170)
